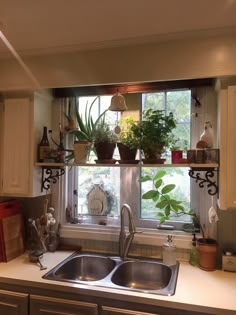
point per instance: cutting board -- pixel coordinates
(12, 232)
(7, 209)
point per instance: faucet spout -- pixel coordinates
(126, 240)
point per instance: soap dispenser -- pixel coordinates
(169, 252)
(193, 255)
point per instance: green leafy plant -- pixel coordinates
(177, 144)
(153, 132)
(164, 201)
(103, 133)
(87, 125)
(128, 136)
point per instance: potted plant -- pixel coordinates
(167, 205)
(153, 132)
(84, 134)
(104, 142)
(128, 142)
(177, 147)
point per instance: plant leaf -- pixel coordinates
(149, 194)
(160, 174)
(162, 204)
(145, 178)
(158, 183)
(166, 189)
(167, 210)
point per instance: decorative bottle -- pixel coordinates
(44, 146)
(60, 149)
(169, 252)
(193, 255)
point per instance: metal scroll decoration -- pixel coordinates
(207, 180)
(51, 176)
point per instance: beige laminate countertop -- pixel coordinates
(210, 292)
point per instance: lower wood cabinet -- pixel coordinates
(13, 303)
(42, 305)
(107, 310)
(119, 311)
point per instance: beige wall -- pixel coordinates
(167, 60)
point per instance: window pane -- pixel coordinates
(178, 102)
(177, 176)
(97, 189)
(103, 201)
(153, 100)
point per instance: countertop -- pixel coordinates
(197, 290)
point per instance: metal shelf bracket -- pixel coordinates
(50, 175)
(209, 173)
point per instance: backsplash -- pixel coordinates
(33, 207)
(135, 249)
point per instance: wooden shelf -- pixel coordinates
(191, 165)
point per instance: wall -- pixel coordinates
(167, 60)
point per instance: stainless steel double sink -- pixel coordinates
(142, 275)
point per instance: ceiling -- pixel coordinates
(47, 26)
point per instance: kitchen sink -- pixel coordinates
(142, 275)
(133, 274)
(85, 268)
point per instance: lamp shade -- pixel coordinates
(118, 103)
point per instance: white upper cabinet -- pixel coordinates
(227, 144)
(22, 124)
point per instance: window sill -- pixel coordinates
(147, 237)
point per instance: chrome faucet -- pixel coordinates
(126, 240)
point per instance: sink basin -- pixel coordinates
(142, 275)
(85, 268)
(149, 276)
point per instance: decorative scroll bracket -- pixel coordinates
(50, 175)
(196, 174)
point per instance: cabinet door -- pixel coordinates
(119, 311)
(227, 143)
(12, 303)
(17, 133)
(41, 305)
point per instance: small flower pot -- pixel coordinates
(126, 154)
(207, 249)
(176, 156)
(105, 150)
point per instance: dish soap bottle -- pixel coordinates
(193, 255)
(169, 252)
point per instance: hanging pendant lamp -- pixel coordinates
(118, 103)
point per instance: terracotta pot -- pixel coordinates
(207, 249)
(126, 153)
(105, 150)
(81, 151)
(176, 155)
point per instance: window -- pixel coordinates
(119, 185)
(87, 182)
(179, 103)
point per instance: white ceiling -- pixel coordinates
(46, 26)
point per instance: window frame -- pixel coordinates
(111, 233)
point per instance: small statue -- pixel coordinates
(207, 135)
